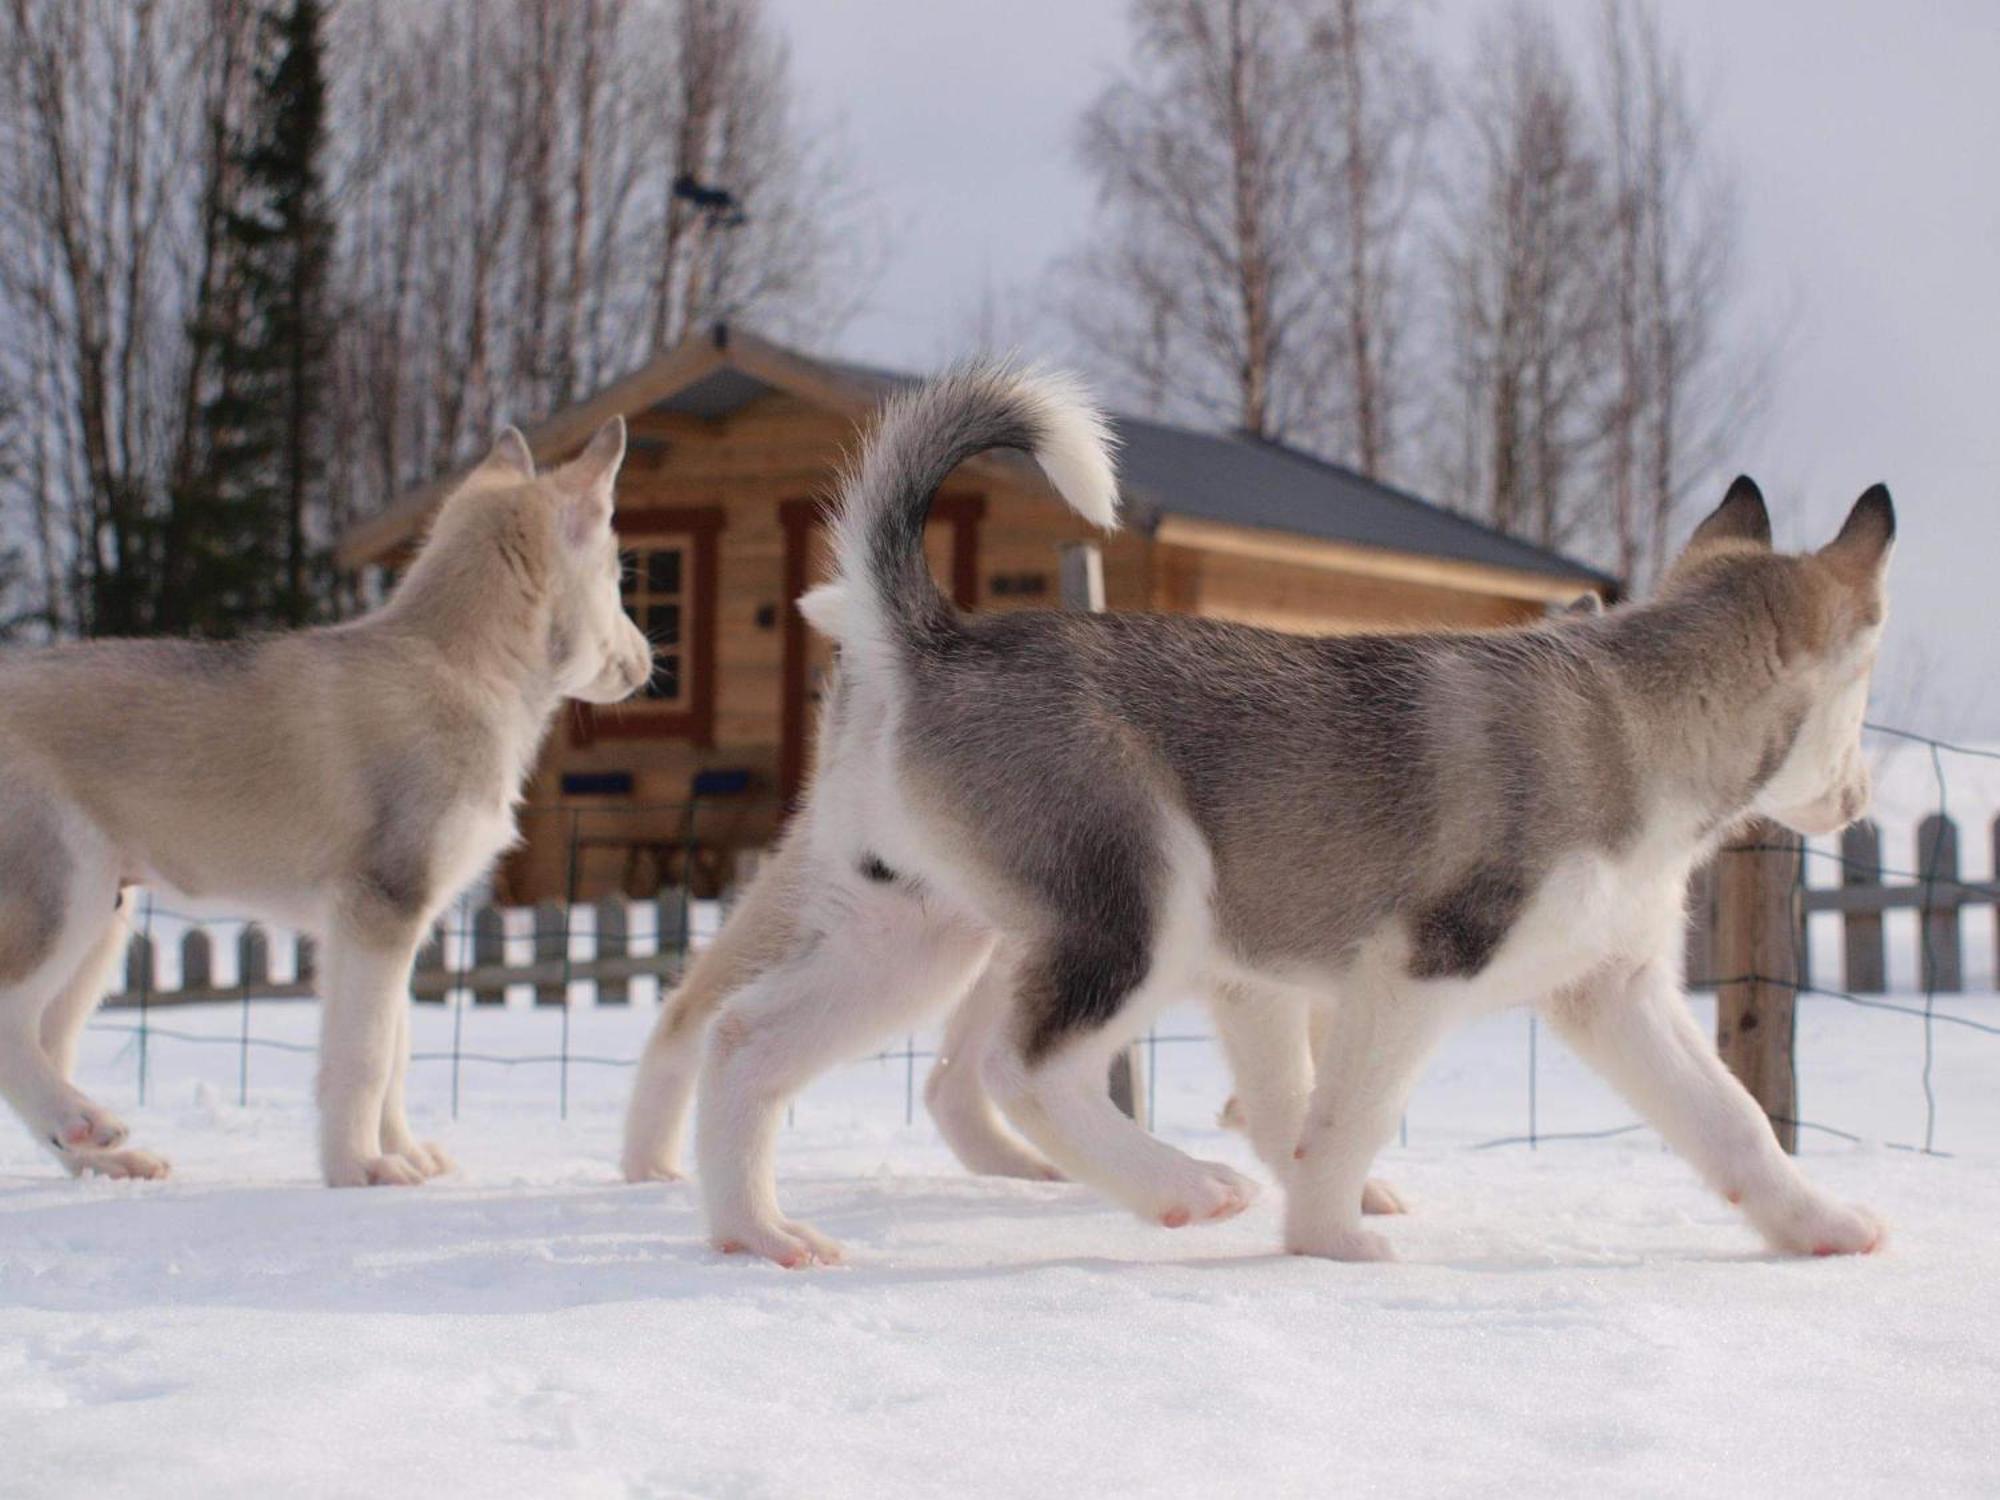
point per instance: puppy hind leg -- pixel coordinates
(837, 994)
(663, 1091)
(670, 1067)
(761, 930)
(956, 1095)
(63, 1020)
(1053, 1088)
(55, 1112)
(65, 1016)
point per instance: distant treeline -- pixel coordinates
(265, 262)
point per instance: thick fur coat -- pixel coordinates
(348, 781)
(1100, 813)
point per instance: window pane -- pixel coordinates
(663, 572)
(663, 624)
(666, 681)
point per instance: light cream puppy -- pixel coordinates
(348, 781)
(1263, 1037)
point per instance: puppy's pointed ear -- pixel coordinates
(597, 465)
(1862, 548)
(585, 481)
(1741, 520)
(509, 456)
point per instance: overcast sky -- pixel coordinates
(1866, 142)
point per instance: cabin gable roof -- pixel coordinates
(1217, 480)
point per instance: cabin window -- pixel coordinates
(1018, 585)
(668, 572)
(658, 578)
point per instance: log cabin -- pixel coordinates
(734, 443)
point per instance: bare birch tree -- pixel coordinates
(113, 119)
(1386, 104)
(1204, 296)
(1256, 170)
(1571, 340)
(508, 238)
(1680, 390)
(1523, 291)
(511, 236)
(1594, 361)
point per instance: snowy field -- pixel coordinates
(1579, 1318)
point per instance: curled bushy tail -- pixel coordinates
(884, 592)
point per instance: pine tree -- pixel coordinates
(294, 283)
(252, 552)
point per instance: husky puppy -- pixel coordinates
(1116, 809)
(763, 931)
(348, 781)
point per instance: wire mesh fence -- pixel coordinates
(1873, 923)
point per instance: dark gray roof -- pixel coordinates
(1248, 481)
(1240, 480)
(716, 394)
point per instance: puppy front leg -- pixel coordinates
(367, 988)
(1266, 1038)
(1270, 1063)
(1369, 1049)
(397, 1137)
(1637, 1031)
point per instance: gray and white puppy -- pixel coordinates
(1118, 809)
(348, 781)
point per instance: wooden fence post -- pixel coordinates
(489, 951)
(197, 959)
(1865, 969)
(1940, 966)
(670, 917)
(1757, 949)
(1083, 588)
(613, 940)
(253, 960)
(1698, 961)
(429, 981)
(551, 946)
(139, 965)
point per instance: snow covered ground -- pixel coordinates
(1580, 1318)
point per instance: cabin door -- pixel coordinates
(807, 656)
(951, 544)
